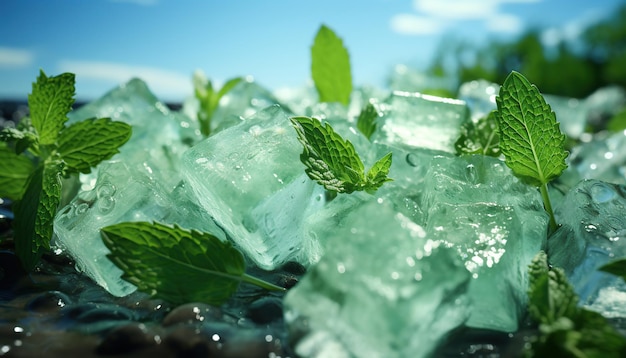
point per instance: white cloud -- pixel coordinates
(456, 9)
(504, 23)
(432, 16)
(409, 24)
(14, 57)
(164, 83)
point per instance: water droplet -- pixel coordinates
(470, 173)
(255, 130)
(412, 160)
(106, 205)
(81, 208)
(341, 268)
(602, 193)
(106, 189)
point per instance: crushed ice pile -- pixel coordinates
(446, 244)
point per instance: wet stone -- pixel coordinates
(192, 313)
(11, 270)
(48, 302)
(294, 268)
(126, 339)
(105, 313)
(266, 310)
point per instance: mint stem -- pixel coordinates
(548, 206)
(261, 283)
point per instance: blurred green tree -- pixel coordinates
(599, 59)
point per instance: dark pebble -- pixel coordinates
(11, 270)
(266, 310)
(192, 313)
(126, 339)
(294, 268)
(185, 341)
(288, 281)
(48, 302)
(74, 311)
(105, 313)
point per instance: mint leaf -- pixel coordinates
(14, 172)
(550, 295)
(176, 264)
(49, 103)
(530, 138)
(377, 175)
(332, 161)
(34, 214)
(481, 137)
(23, 137)
(330, 67)
(617, 268)
(209, 99)
(366, 123)
(85, 144)
(566, 330)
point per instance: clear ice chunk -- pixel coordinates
(593, 233)
(244, 100)
(141, 183)
(122, 193)
(603, 158)
(382, 289)
(156, 131)
(409, 79)
(413, 120)
(495, 223)
(249, 178)
(480, 96)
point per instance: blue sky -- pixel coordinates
(107, 42)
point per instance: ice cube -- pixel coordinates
(156, 131)
(122, 193)
(413, 120)
(480, 96)
(603, 158)
(593, 233)
(495, 223)
(249, 178)
(382, 289)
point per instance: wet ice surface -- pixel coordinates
(382, 289)
(495, 223)
(443, 247)
(141, 183)
(593, 234)
(248, 178)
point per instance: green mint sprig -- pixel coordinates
(209, 99)
(330, 67)
(366, 122)
(14, 172)
(177, 265)
(566, 330)
(43, 150)
(481, 137)
(333, 162)
(530, 138)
